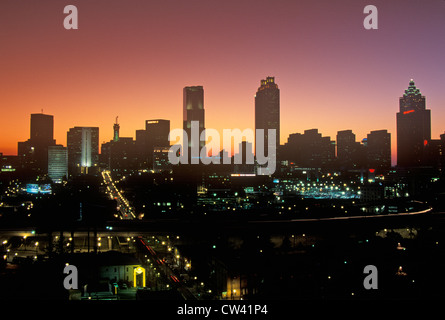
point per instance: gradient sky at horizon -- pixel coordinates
(132, 59)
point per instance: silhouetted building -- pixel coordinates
(413, 129)
(157, 132)
(119, 155)
(33, 153)
(83, 149)
(434, 153)
(267, 111)
(193, 108)
(154, 136)
(309, 150)
(42, 128)
(57, 163)
(188, 177)
(379, 150)
(26, 152)
(350, 153)
(244, 160)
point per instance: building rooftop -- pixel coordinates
(412, 89)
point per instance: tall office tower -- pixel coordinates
(33, 153)
(379, 150)
(83, 149)
(119, 156)
(193, 108)
(116, 128)
(157, 132)
(57, 163)
(267, 111)
(413, 128)
(350, 153)
(42, 128)
(154, 136)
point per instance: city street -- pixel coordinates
(124, 208)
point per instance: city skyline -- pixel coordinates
(328, 66)
(196, 154)
(116, 126)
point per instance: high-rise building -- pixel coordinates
(157, 131)
(433, 153)
(57, 163)
(154, 136)
(83, 149)
(26, 152)
(413, 128)
(379, 150)
(193, 110)
(119, 155)
(33, 153)
(142, 150)
(310, 150)
(267, 112)
(42, 128)
(245, 161)
(350, 153)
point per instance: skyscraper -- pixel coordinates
(83, 149)
(193, 108)
(157, 131)
(57, 163)
(267, 111)
(379, 150)
(119, 154)
(42, 128)
(413, 128)
(350, 153)
(154, 136)
(33, 153)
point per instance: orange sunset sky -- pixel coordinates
(132, 59)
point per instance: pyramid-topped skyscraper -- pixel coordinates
(413, 128)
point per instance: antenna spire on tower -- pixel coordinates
(116, 130)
